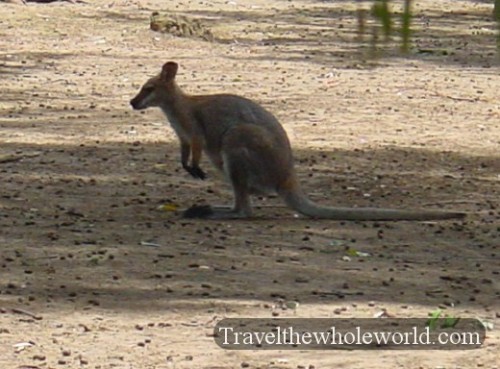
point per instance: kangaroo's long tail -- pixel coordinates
(299, 202)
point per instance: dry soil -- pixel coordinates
(93, 275)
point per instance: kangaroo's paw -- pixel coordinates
(196, 172)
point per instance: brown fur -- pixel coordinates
(248, 144)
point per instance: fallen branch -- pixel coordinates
(467, 99)
(28, 313)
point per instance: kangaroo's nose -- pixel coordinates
(134, 104)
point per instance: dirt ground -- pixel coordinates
(94, 275)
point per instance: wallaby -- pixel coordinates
(248, 144)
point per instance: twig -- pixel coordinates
(468, 99)
(28, 313)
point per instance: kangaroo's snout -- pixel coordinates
(135, 104)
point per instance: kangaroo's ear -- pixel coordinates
(169, 71)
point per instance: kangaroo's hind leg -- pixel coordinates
(236, 170)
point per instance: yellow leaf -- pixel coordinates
(168, 207)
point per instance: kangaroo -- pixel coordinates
(248, 144)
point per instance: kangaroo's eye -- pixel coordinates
(148, 89)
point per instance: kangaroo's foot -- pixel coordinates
(216, 212)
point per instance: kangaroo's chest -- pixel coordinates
(180, 126)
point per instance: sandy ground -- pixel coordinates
(110, 281)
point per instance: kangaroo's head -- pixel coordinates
(157, 90)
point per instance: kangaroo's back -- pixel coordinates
(224, 111)
(220, 115)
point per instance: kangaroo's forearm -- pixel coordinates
(185, 152)
(194, 150)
